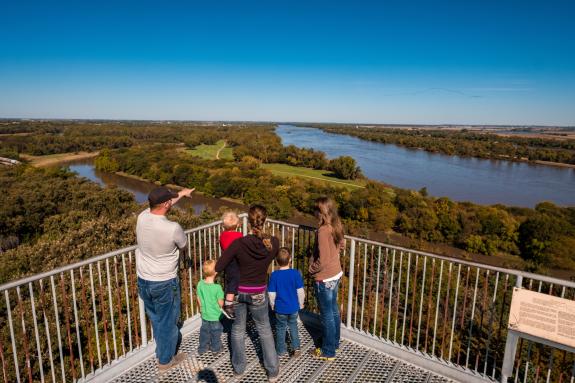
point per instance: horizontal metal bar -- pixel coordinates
(34, 278)
(286, 224)
(524, 274)
(206, 226)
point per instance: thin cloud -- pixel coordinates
(500, 89)
(434, 90)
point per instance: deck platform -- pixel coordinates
(354, 363)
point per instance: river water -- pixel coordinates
(459, 178)
(140, 189)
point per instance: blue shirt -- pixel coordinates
(285, 284)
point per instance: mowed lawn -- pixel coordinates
(319, 175)
(210, 152)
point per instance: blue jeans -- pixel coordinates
(257, 305)
(282, 322)
(210, 336)
(162, 303)
(326, 295)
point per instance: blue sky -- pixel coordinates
(472, 61)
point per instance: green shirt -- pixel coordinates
(209, 295)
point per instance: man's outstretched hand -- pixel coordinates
(183, 193)
(186, 192)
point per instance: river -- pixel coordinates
(140, 189)
(459, 178)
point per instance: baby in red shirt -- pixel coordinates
(230, 222)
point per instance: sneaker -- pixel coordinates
(317, 353)
(176, 360)
(296, 353)
(274, 378)
(228, 311)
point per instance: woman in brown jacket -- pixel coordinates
(325, 267)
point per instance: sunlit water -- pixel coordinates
(459, 178)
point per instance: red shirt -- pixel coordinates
(227, 237)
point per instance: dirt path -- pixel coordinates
(219, 150)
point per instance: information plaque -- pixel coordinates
(543, 316)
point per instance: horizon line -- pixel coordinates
(288, 122)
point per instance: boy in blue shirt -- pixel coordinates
(287, 295)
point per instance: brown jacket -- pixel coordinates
(325, 262)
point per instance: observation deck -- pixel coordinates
(355, 363)
(407, 316)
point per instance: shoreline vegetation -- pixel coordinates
(540, 239)
(463, 142)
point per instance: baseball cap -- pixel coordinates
(160, 195)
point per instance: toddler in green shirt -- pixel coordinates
(211, 299)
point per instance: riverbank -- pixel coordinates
(556, 164)
(57, 159)
(177, 187)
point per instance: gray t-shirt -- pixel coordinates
(159, 241)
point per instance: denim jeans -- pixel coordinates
(326, 295)
(257, 305)
(162, 303)
(210, 336)
(282, 322)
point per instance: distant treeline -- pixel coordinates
(465, 143)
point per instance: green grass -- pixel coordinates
(209, 152)
(318, 175)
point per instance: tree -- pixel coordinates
(345, 167)
(105, 162)
(536, 234)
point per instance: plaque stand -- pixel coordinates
(511, 345)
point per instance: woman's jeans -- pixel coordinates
(210, 336)
(162, 303)
(257, 305)
(283, 321)
(326, 295)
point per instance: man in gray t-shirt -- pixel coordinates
(159, 243)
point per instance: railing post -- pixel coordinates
(245, 225)
(350, 282)
(143, 330)
(510, 346)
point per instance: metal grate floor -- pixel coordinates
(354, 363)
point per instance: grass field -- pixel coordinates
(319, 175)
(212, 152)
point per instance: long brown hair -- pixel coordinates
(257, 216)
(326, 212)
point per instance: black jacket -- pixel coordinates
(253, 259)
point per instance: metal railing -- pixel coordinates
(73, 322)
